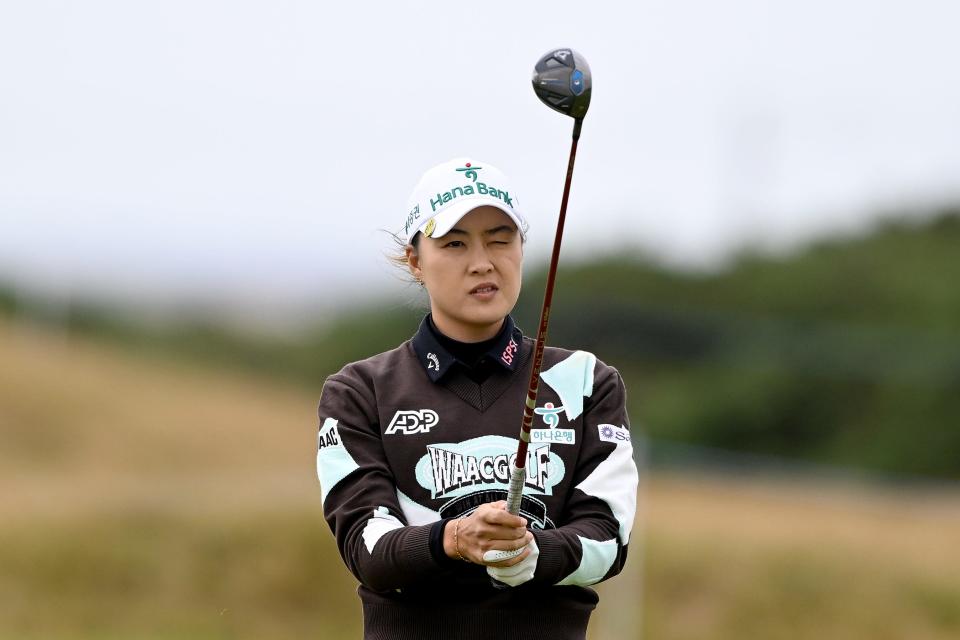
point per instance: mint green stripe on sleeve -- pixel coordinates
(597, 558)
(334, 462)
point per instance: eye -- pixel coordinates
(453, 243)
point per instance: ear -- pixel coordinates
(413, 262)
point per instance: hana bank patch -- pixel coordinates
(553, 436)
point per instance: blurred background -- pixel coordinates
(195, 207)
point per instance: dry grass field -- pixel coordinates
(143, 498)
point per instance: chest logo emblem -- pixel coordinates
(413, 421)
(455, 469)
(550, 413)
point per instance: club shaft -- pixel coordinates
(519, 468)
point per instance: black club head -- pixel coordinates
(562, 80)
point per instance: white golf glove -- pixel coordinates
(518, 573)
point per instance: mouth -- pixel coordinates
(485, 288)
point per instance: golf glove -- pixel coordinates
(518, 573)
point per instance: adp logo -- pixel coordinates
(414, 421)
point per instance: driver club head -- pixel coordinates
(562, 80)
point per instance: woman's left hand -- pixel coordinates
(519, 573)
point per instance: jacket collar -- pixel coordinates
(437, 360)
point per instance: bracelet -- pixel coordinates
(456, 539)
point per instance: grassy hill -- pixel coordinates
(844, 353)
(145, 497)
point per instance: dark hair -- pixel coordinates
(398, 257)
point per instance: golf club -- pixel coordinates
(562, 80)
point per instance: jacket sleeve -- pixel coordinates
(590, 543)
(360, 501)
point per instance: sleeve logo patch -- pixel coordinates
(414, 421)
(553, 436)
(328, 435)
(613, 433)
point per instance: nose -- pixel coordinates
(480, 261)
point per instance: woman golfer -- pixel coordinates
(415, 444)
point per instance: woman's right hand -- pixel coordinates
(490, 527)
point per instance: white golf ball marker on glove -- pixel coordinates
(499, 556)
(517, 574)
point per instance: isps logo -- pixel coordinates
(413, 421)
(509, 352)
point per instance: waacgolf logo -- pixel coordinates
(458, 468)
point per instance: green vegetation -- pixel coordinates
(845, 353)
(145, 498)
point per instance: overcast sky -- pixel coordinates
(255, 150)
